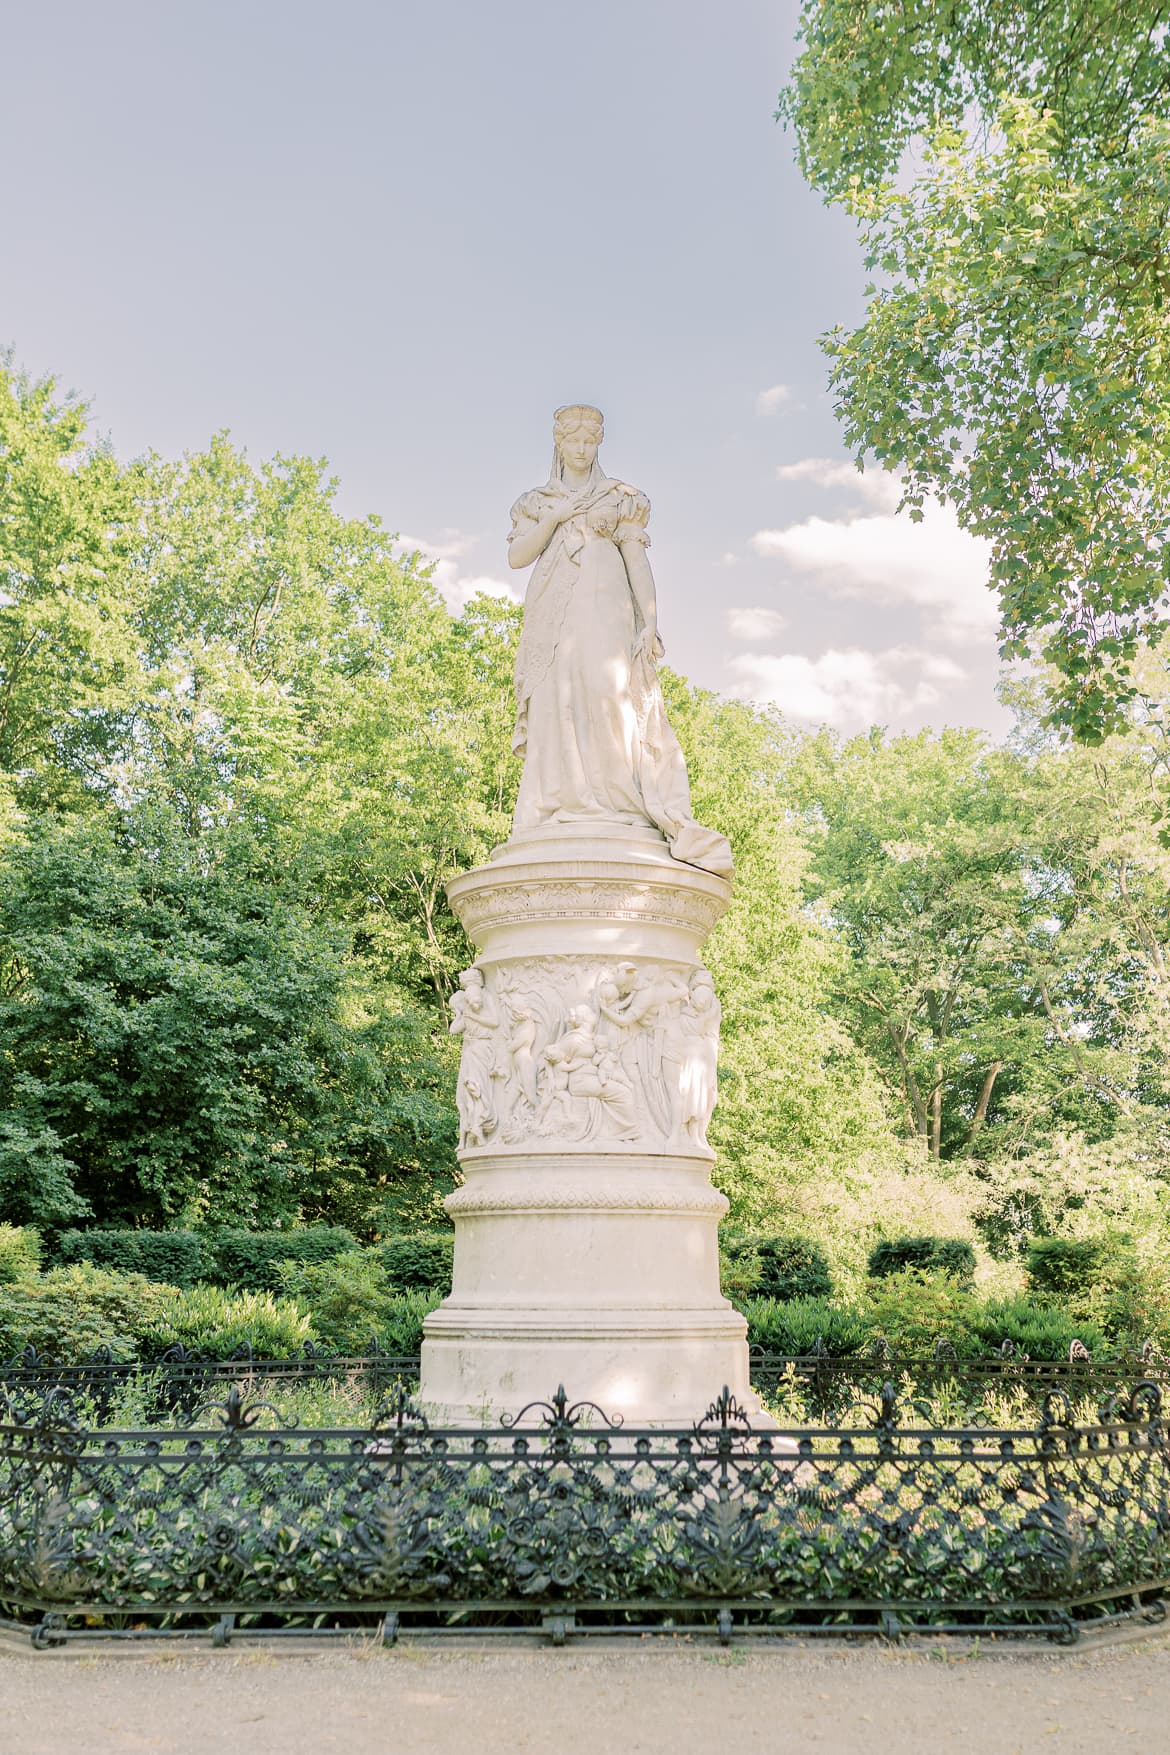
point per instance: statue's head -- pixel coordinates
(578, 430)
(702, 988)
(471, 980)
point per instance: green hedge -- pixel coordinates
(418, 1261)
(250, 1259)
(212, 1323)
(341, 1305)
(20, 1253)
(351, 1303)
(795, 1326)
(71, 1311)
(173, 1257)
(783, 1266)
(924, 1255)
(1036, 1329)
(1063, 1265)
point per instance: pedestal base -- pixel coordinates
(595, 1271)
(586, 1235)
(664, 1369)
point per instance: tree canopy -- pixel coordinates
(1009, 166)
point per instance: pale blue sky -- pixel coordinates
(400, 234)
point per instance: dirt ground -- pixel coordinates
(636, 1699)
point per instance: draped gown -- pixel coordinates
(590, 720)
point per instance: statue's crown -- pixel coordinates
(578, 414)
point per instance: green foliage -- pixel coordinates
(251, 1259)
(179, 1027)
(1059, 1266)
(1013, 355)
(36, 1178)
(952, 1256)
(796, 1325)
(777, 1267)
(419, 1261)
(214, 1324)
(69, 1312)
(20, 1253)
(171, 1256)
(1043, 1331)
(913, 1310)
(66, 654)
(351, 1303)
(922, 863)
(1131, 1301)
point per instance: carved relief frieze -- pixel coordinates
(577, 1049)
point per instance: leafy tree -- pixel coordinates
(1009, 165)
(65, 656)
(178, 1038)
(975, 940)
(305, 681)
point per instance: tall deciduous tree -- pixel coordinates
(1009, 164)
(983, 968)
(66, 656)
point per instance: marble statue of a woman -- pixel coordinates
(590, 720)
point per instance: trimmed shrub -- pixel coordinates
(214, 1324)
(1040, 1330)
(794, 1326)
(418, 1261)
(780, 1267)
(402, 1331)
(174, 1257)
(351, 1303)
(20, 1253)
(924, 1255)
(348, 1300)
(912, 1311)
(1060, 1266)
(250, 1259)
(71, 1311)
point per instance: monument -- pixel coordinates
(586, 1228)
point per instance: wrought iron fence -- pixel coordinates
(816, 1385)
(827, 1384)
(240, 1523)
(177, 1382)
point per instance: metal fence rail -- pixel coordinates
(240, 1523)
(817, 1384)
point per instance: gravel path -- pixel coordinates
(644, 1699)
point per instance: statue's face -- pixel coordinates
(578, 449)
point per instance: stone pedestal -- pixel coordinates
(586, 1230)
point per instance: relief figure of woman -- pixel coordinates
(590, 720)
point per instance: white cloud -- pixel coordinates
(754, 623)
(874, 553)
(456, 590)
(771, 401)
(877, 487)
(847, 688)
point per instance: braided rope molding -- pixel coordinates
(588, 899)
(470, 1200)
